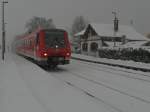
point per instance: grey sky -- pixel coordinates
(64, 11)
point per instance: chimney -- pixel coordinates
(116, 24)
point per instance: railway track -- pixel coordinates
(109, 87)
(89, 92)
(96, 98)
(143, 77)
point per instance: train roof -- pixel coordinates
(61, 30)
(38, 30)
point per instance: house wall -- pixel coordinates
(90, 49)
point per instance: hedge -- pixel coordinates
(138, 55)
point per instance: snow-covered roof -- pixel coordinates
(80, 33)
(108, 30)
(135, 44)
(111, 44)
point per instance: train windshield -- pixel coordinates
(54, 39)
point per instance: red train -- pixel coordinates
(46, 46)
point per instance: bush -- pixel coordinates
(138, 55)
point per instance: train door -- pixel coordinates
(36, 46)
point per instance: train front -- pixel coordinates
(55, 48)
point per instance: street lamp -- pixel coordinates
(3, 29)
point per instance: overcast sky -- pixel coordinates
(17, 12)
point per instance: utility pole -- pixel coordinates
(116, 26)
(3, 29)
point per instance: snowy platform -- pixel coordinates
(120, 63)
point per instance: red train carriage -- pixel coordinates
(46, 46)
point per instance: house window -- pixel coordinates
(85, 46)
(94, 47)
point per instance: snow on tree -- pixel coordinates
(36, 22)
(79, 24)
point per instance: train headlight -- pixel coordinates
(45, 54)
(68, 54)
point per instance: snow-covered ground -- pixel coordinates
(25, 87)
(77, 87)
(121, 90)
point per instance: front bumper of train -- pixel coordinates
(54, 60)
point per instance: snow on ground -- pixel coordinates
(77, 87)
(14, 94)
(112, 61)
(25, 87)
(113, 88)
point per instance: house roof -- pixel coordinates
(80, 33)
(134, 44)
(108, 30)
(111, 44)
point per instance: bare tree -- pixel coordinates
(36, 22)
(79, 24)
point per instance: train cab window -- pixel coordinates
(54, 39)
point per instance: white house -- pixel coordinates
(96, 36)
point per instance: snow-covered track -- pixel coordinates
(109, 87)
(95, 97)
(93, 83)
(136, 76)
(116, 109)
(111, 64)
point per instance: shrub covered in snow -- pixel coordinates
(138, 55)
